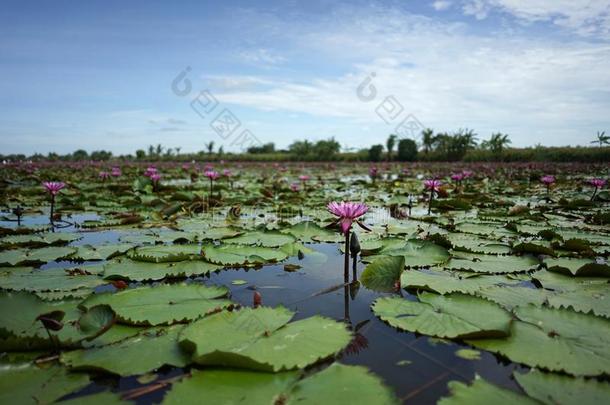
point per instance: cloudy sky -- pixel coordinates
(121, 75)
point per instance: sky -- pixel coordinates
(120, 76)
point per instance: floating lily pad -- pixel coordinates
(443, 281)
(266, 239)
(574, 343)
(139, 354)
(142, 271)
(491, 264)
(164, 304)
(166, 253)
(445, 316)
(383, 273)
(480, 392)
(16, 257)
(263, 339)
(237, 255)
(28, 384)
(578, 267)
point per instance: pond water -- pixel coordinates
(416, 367)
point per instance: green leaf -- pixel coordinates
(266, 239)
(136, 355)
(480, 392)
(450, 316)
(101, 252)
(443, 282)
(417, 253)
(341, 384)
(100, 398)
(219, 386)
(575, 343)
(143, 271)
(28, 384)
(307, 231)
(553, 389)
(166, 253)
(261, 339)
(57, 279)
(491, 264)
(163, 304)
(16, 257)
(237, 255)
(383, 273)
(577, 267)
(96, 321)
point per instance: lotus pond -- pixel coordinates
(234, 283)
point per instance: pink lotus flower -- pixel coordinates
(53, 187)
(116, 172)
(211, 174)
(457, 177)
(303, 177)
(104, 175)
(348, 212)
(373, 171)
(547, 180)
(597, 183)
(227, 173)
(150, 171)
(155, 177)
(432, 184)
(467, 173)
(294, 187)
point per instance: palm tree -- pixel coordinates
(158, 150)
(390, 145)
(496, 143)
(210, 147)
(428, 139)
(602, 139)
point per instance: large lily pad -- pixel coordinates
(383, 273)
(17, 257)
(574, 343)
(166, 253)
(143, 271)
(443, 281)
(139, 354)
(262, 339)
(491, 264)
(164, 304)
(237, 255)
(480, 392)
(266, 239)
(28, 384)
(550, 388)
(445, 316)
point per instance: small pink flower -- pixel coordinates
(303, 177)
(457, 177)
(597, 183)
(294, 187)
(373, 171)
(227, 173)
(547, 180)
(186, 166)
(348, 212)
(432, 184)
(211, 174)
(104, 175)
(116, 172)
(467, 173)
(150, 171)
(208, 168)
(53, 187)
(155, 177)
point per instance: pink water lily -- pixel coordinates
(457, 177)
(294, 187)
(304, 177)
(53, 187)
(598, 183)
(348, 213)
(547, 180)
(104, 175)
(116, 172)
(432, 184)
(211, 174)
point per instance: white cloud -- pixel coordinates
(584, 17)
(537, 90)
(261, 56)
(440, 5)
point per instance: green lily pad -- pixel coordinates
(266, 239)
(383, 273)
(263, 339)
(18, 257)
(574, 343)
(491, 264)
(445, 316)
(139, 354)
(480, 392)
(166, 253)
(237, 255)
(28, 384)
(577, 267)
(144, 271)
(162, 305)
(551, 389)
(443, 281)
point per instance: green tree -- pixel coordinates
(375, 153)
(326, 149)
(80, 154)
(407, 150)
(140, 154)
(428, 139)
(390, 143)
(496, 143)
(210, 147)
(602, 139)
(265, 148)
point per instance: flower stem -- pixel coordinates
(430, 201)
(52, 208)
(346, 264)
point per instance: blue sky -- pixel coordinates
(98, 74)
